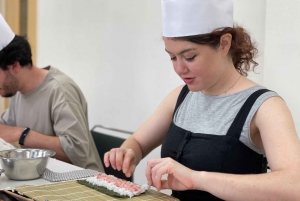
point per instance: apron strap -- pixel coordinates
(237, 125)
(184, 91)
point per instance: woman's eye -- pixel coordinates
(173, 58)
(190, 59)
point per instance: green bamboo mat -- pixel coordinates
(71, 190)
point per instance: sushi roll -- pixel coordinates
(113, 186)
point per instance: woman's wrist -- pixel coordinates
(199, 178)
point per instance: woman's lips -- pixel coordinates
(188, 80)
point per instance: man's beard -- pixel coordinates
(10, 86)
(8, 95)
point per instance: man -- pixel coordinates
(47, 109)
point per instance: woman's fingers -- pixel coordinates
(112, 158)
(165, 184)
(150, 165)
(130, 171)
(119, 158)
(116, 157)
(106, 159)
(158, 171)
(156, 168)
(128, 163)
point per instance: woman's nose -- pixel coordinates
(180, 67)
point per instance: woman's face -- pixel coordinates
(199, 66)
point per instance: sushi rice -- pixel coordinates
(112, 187)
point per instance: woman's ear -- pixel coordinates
(225, 43)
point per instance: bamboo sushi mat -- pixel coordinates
(71, 190)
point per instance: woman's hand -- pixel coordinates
(121, 159)
(179, 176)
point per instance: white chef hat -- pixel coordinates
(6, 34)
(194, 17)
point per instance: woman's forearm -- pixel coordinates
(279, 185)
(131, 143)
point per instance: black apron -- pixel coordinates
(213, 153)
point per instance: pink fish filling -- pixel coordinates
(120, 183)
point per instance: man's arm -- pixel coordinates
(34, 140)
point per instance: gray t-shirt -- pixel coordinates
(57, 107)
(207, 114)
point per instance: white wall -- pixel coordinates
(282, 53)
(114, 51)
(250, 14)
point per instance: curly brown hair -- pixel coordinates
(242, 50)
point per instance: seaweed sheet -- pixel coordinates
(101, 189)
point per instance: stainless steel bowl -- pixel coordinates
(24, 164)
(1, 171)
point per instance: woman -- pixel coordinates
(217, 130)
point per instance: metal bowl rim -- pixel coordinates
(51, 153)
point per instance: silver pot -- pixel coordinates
(24, 164)
(1, 171)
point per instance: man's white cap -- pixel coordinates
(6, 34)
(194, 17)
